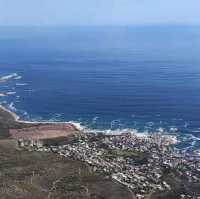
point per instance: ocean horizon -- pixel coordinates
(144, 79)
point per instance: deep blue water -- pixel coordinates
(143, 78)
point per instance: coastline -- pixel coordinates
(77, 127)
(120, 152)
(17, 119)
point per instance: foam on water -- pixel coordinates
(18, 77)
(108, 131)
(11, 76)
(11, 93)
(2, 95)
(7, 77)
(12, 107)
(21, 84)
(78, 125)
(145, 134)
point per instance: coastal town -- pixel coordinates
(145, 164)
(150, 166)
(100, 99)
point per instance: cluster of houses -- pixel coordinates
(142, 177)
(137, 162)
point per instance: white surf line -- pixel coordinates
(17, 118)
(7, 77)
(2, 95)
(10, 112)
(80, 128)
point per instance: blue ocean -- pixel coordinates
(145, 79)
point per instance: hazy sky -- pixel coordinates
(94, 12)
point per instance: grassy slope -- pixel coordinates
(38, 175)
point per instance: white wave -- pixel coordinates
(193, 143)
(3, 102)
(173, 129)
(94, 120)
(11, 93)
(186, 124)
(2, 95)
(118, 132)
(194, 138)
(12, 107)
(78, 125)
(25, 113)
(109, 131)
(21, 84)
(32, 90)
(161, 130)
(18, 77)
(7, 77)
(141, 134)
